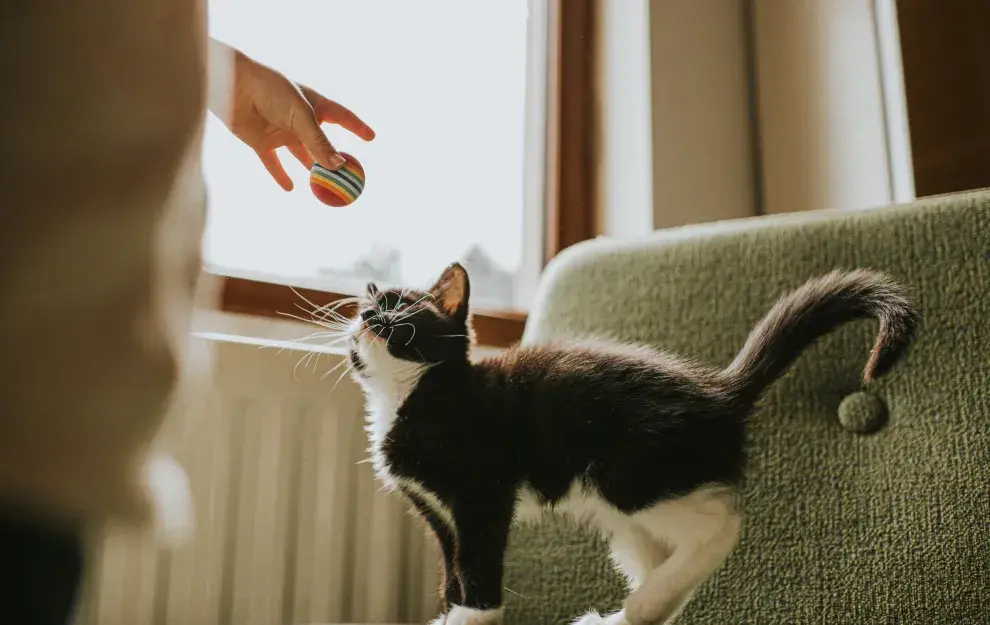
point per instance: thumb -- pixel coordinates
(308, 130)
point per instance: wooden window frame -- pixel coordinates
(570, 210)
(944, 53)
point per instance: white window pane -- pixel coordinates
(443, 83)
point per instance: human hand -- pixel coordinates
(270, 111)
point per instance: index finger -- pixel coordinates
(328, 111)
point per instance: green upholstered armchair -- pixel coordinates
(863, 505)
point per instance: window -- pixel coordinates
(468, 132)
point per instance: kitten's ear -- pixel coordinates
(371, 290)
(452, 290)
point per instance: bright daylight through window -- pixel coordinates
(444, 84)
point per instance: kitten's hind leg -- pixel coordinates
(594, 618)
(702, 529)
(635, 552)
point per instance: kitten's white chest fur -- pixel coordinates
(387, 382)
(379, 417)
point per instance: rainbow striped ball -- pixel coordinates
(340, 187)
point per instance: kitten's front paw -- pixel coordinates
(593, 618)
(461, 615)
(617, 618)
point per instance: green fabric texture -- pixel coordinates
(845, 522)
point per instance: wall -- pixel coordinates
(821, 105)
(702, 149)
(752, 107)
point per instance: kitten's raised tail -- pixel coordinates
(815, 309)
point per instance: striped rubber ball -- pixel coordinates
(340, 187)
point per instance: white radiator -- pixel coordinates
(291, 526)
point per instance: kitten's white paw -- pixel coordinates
(461, 615)
(654, 609)
(593, 618)
(617, 618)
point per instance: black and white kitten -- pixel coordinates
(647, 446)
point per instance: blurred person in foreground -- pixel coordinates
(103, 204)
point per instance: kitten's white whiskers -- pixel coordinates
(332, 309)
(330, 325)
(334, 368)
(350, 367)
(399, 325)
(296, 368)
(291, 343)
(344, 301)
(303, 298)
(411, 314)
(317, 315)
(398, 301)
(377, 305)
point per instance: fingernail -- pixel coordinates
(337, 161)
